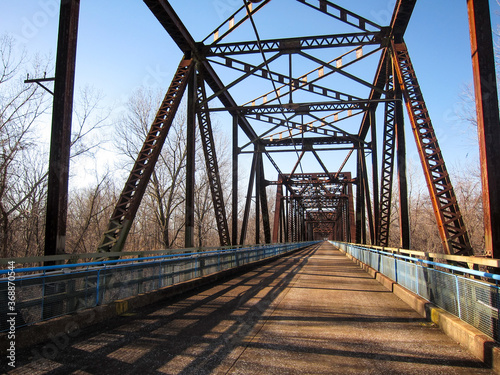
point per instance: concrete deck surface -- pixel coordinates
(315, 312)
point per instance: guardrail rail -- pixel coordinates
(471, 295)
(43, 293)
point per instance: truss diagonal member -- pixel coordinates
(388, 150)
(335, 69)
(208, 142)
(450, 222)
(320, 161)
(323, 129)
(341, 14)
(131, 196)
(399, 22)
(343, 164)
(307, 81)
(167, 17)
(248, 69)
(298, 83)
(352, 136)
(232, 23)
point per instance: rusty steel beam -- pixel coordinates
(366, 189)
(403, 10)
(208, 143)
(235, 182)
(263, 200)
(404, 209)
(360, 207)
(351, 229)
(133, 191)
(294, 44)
(248, 202)
(375, 186)
(60, 143)
(328, 140)
(388, 150)
(298, 108)
(301, 83)
(190, 162)
(278, 210)
(341, 14)
(450, 222)
(231, 22)
(171, 22)
(488, 123)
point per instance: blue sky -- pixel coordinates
(122, 47)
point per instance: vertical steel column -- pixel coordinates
(190, 160)
(345, 213)
(376, 206)
(257, 199)
(351, 233)
(248, 203)
(404, 212)
(387, 160)
(60, 143)
(212, 167)
(236, 152)
(277, 209)
(360, 206)
(282, 220)
(303, 223)
(287, 216)
(263, 202)
(366, 189)
(295, 220)
(488, 123)
(310, 233)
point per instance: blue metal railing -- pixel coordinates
(43, 293)
(475, 301)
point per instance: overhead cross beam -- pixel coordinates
(295, 44)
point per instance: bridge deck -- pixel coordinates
(315, 312)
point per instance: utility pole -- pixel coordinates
(57, 198)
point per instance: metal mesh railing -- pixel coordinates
(451, 288)
(43, 293)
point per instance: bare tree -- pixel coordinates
(21, 107)
(164, 197)
(89, 211)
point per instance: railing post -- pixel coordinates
(458, 297)
(159, 275)
(97, 288)
(395, 269)
(43, 298)
(417, 279)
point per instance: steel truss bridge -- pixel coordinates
(275, 108)
(274, 301)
